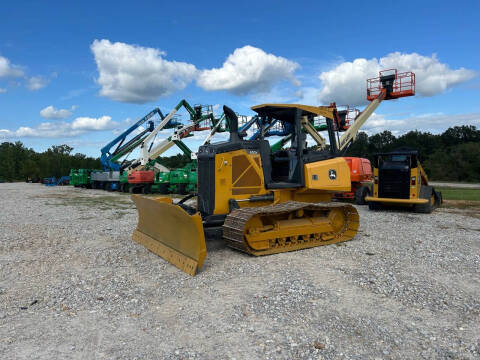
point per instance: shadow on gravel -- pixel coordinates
(215, 245)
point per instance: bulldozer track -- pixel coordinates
(235, 227)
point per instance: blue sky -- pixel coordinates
(150, 54)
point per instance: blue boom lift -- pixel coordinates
(109, 178)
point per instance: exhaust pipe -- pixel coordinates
(232, 123)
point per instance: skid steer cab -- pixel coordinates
(399, 180)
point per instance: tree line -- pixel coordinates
(19, 163)
(453, 155)
(175, 161)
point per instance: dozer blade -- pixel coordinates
(170, 232)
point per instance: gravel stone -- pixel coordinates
(74, 285)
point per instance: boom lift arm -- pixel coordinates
(154, 163)
(150, 152)
(349, 136)
(216, 127)
(108, 158)
(148, 141)
(167, 144)
(388, 85)
(223, 120)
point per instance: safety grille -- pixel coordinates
(394, 184)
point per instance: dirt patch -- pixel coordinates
(461, 204)
(102, 202)
(462, 207)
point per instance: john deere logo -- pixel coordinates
(332, 174)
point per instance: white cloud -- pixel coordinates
(37, 82)
(44, 130)
(346, 83)
(4, 134)
(135, 74)
(433, 123)
(51, 113)
(248, 69)
(79, 126)
(139, 130)
(3, 91)
(125, 124)
(15, 71)
(9, 70)
(94, 124)
(277, 94)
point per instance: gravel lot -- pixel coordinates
(74, 285)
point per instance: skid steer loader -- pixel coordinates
(400, 180)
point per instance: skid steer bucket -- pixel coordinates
(170, 232)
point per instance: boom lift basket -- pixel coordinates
(396, 84)
(347, 116)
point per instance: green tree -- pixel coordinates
(18, 162)
(381, 142)
(460, 134)
(359, 147)
(453, 155)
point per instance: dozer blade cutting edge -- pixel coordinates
(170, 232)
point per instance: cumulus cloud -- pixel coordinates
(37, 82)
(3, 91)
(51, 113)
(9, 70)
(135, 74)
(434, 123)
(94, 124)
(79, 126)
(43, 130)
(4, 133)
(346, 83)
(248, 69)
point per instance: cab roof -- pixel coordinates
(408, 152)
(286, 112)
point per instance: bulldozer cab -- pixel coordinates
(256, 170)
(284, 168)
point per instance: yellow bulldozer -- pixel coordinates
(263, 201)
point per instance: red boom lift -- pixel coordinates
(361, 178)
